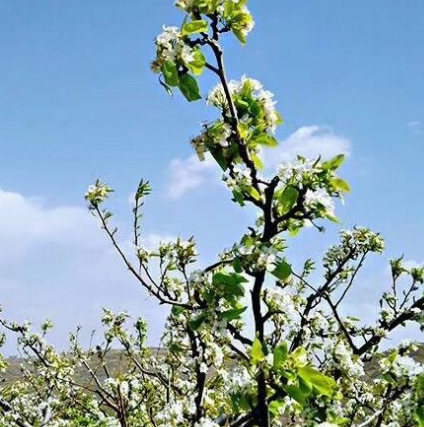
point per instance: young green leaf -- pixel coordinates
(299, 357)
(340, 185)
(419, 414)
(219, 156)
(266, 140)
(254, 193)
(189, 88)
(238, 197)
(296, 393)
(233, 314)
(280, 355)
(275, 407)
(282, 271)
(198, 64)
(257, 161)
(288, 198)
(230, 283)
(334, 163)
(170, 73)
(193, 27)
(257, 353)
(324, 385)
(195, 323)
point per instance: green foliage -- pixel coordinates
(287, 198)
(193, 27)
(170, 73)
(280, 355)
(321, 383)
(230, 284)
(189, 87)
(197, 66)
(257, 354)
(282, 271)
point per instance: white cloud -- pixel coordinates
(310, 141)
(412, 264)
(188, 174)
(56, 263)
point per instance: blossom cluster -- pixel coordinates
(171, 47)
(254, 104)
(234, 15)
(98, 193)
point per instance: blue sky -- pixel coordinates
(78, 101)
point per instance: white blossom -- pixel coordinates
(319, 197)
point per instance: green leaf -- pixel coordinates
(419, 385)
(144, 189)
(419, 414)
(237, 265)
(305, 386)
(240, 402)
(240, 104)
(170, 73)
(340, 185)
(390, 378)
(275, 407)
(266, 140)
(189, 88)
(257, 161)
(231, 283)
(229, 8)
(177, 310)
(240, 35)
(193, 27)
(293, 230)
(254, 193)
(238, 197)
(282, 271)
(419, 392)
(233, 314)
(218, 155)
(255, 108)
(280, 355)
(195, 324)
(198, 64)
(280, 120)
(323, 384)
(300, 357)
(296, 393)
(333, 218)
(334, 163)
(257, 353)
(288, 198)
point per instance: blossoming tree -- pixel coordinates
(301, 362)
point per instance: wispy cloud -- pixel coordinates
(309, 142)
(416, 127)
(56, 263)
(186, 175)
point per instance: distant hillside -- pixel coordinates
(117, 364)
